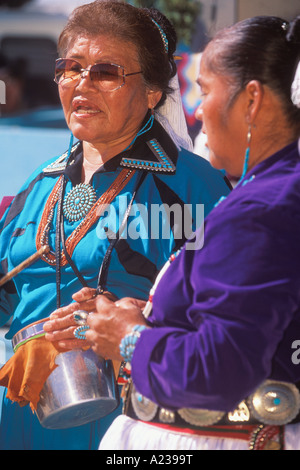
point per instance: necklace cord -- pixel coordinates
(103, 272)
(68, 257)
(57, 229)
(57, 244)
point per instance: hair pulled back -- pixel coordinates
(263, 48)
(133, 25)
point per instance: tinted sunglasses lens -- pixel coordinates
(108, 76)
(66, 70)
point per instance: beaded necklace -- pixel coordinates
(42, 237)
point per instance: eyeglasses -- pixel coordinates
(107, 77)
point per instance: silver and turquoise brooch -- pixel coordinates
(79, 202)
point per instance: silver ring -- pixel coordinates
(79, 333)
(80, 317)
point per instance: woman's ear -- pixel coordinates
(255, 95)
(153, 98)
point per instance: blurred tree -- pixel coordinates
(13, 3)
(182, 13)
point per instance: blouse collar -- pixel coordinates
(153, 151)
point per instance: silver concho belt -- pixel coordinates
(273, 403)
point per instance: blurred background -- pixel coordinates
(32, 126)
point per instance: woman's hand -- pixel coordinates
(111, 322)
(62, 325)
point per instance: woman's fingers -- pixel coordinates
(86, 293)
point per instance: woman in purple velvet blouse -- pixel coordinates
(215, 365)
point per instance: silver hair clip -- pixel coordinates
(284, 26)
(163, 36)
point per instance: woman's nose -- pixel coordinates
(199, 113)
(84, 73)
(85, 81)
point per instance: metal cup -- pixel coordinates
(80, 390)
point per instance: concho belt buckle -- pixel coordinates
(200, 417)
(144, 408)
(275, 403)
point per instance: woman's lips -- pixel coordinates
(82, 108)
(86, 111)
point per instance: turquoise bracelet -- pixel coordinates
(128, 343)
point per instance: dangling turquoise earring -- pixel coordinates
(247, 154)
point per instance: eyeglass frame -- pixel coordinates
(82, 70)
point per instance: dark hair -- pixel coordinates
(263, 48)
(130, 24)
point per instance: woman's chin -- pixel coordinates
(214, 161)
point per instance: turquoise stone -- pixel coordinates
(79, 202)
